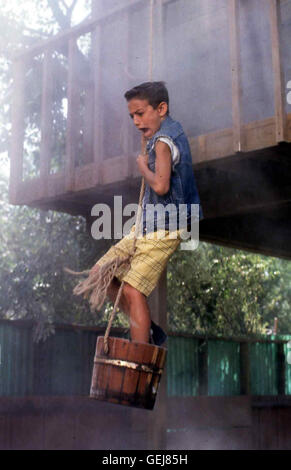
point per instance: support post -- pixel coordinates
(279, 88)
(72, 118)
(98, 101)
(46, 121)
(233, 9)
(16, 148)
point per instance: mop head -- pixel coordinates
(94, 287)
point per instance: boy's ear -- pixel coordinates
(163, 108)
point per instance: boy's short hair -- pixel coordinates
(154, 92)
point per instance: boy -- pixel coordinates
(169, 179)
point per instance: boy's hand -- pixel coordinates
(142, 162)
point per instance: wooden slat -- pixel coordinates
(98, 104)
(84, 177)
(46, 120)
(279, 88)
(114, 169)
(260, 134)
(16, 149)
(72, 121)
(235, 74)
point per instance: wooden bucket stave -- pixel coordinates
(129, 374)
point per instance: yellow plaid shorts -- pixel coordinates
(149, 260)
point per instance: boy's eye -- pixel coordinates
(137, 113)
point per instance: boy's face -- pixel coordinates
(147, 119)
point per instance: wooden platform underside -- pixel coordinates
(246, 197)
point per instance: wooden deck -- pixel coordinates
(241, 169)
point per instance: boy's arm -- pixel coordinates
(159, 180)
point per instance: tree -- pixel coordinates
(213, 290)
(216, 290)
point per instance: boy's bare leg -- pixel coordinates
(134, 304)
(139, 312)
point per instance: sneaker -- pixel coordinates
(158, 336)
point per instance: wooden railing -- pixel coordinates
(95, 168)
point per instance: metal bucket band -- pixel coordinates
(128, 365)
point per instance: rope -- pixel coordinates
(95, 286)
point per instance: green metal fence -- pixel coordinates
(62, 365)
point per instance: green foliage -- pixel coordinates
(212, 290)
(223, 291)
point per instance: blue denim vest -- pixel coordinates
(183, 189)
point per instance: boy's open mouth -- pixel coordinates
(145, 131)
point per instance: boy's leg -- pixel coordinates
(134, 304)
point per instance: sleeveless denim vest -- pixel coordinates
(183, 189)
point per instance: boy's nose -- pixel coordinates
(136, 120)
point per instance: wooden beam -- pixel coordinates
(235, 74)
(279, 88)
(72, 120)
(46, 120)
(98, 118)
(16, 148)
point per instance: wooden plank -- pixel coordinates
(216, 145)
(88, 123)
(114, 169)
(72, 121)
(260, 134)
(84, 177)
(98, 130)
(16, 149)
(46, 120)
(235, 74)
(279, 88)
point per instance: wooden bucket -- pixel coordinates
(129, 374)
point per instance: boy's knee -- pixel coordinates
(131, 293)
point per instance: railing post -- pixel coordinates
(279, 88)
(16, 147)
(46, 121)
(72, 121)
(98, 101)
(233, 10)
